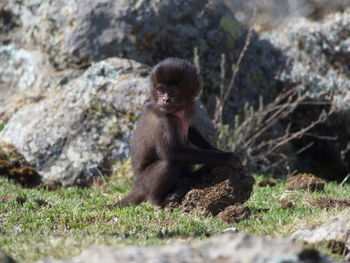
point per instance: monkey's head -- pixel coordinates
(175, 84)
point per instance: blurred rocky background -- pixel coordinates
(272, 13)
(73, 79)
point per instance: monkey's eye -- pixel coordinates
(161, 88)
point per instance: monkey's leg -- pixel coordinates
(188, 179)
(137, 195)
(162, 179)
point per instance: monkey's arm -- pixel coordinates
(170, 147)
(188, 155)
(195, 137)
(183, 154)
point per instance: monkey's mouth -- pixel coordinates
(167, 108)
(170, 108)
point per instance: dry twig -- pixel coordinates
(224, 94)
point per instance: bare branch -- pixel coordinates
(239, 60)
(288, 137)
(224, 95)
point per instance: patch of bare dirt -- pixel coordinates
(14, 166)
(330, 203)
(234, 213)
(213, 191)
(305, 181)
(266, 182)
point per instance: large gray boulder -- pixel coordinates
(303, 53)
(311, 56)
(230, 247)
(25, 76)
(316, 56)
(79, 132)
(81, 32)
(83, 129)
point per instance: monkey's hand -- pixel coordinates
(235, 160)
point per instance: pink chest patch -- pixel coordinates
(184, 123)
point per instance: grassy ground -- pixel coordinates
(37, 223)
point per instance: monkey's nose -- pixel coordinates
(167, 100)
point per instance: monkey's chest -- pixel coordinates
(183, 130)
(183, 125)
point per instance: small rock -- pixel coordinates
(266, 182)
(230, 230)
(234, 214)
(286, 204)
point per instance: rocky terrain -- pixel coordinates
(60, 56)
(74, 78)
(229, 247)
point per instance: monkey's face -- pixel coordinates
(175, 84)
(171, 97)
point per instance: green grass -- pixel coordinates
(269, 218)
(73, 219)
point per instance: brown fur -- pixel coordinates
(161, 154)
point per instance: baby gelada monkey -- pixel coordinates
(161, 153)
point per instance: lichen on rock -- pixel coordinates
(79, 133)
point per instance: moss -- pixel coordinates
(113, 128)
(131, 116)
(96, 107)
(230, 26)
